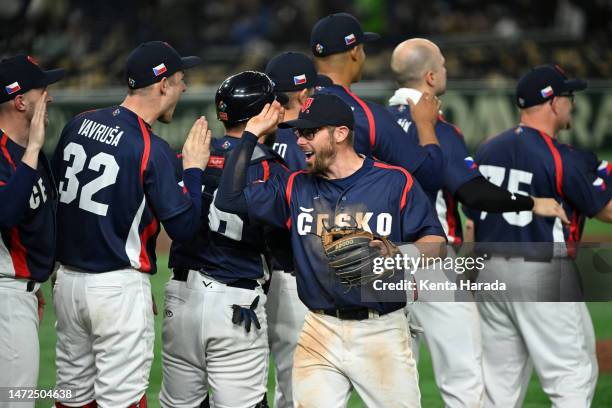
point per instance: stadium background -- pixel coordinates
(487, 45)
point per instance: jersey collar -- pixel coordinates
(401, 96)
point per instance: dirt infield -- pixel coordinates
(604, 355)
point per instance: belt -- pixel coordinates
(360, 313)
(19, 284)
(242, 283)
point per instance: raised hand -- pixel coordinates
(196, 150)
(38, 123)
(267, 120)
(426, 111)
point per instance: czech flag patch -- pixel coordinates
(604, 169)
(599, 184)
(546, 92)
(299, 79)
(470, 163)
(350, 39)
(160, 69)
(12, 88)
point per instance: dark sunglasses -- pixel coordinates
(307, 134)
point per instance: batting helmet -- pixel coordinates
(242, 96)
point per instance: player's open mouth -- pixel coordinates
(308, 154)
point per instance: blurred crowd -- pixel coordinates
(481, 39)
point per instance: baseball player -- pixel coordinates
(28, 198)
(418, 66)
(337, 43)
(295, 77)
(557, 338)
(345, 341)
(215, 331)
(117, 182)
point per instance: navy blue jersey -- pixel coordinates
(27, 247)
(116, 181)
(227, 247)
(459, 168)
(286, 145)
(527, 161)
(379, 198)
(378, 135)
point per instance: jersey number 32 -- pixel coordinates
(69, 188)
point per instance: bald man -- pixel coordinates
(450, 319)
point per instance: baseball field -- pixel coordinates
(601, 314)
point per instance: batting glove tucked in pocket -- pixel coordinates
(242, 314)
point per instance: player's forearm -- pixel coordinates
(605, 214)
(30, 156)
(432, 246)
(427, 134)
(482, 195)
(15, 194)
(430, 173)
(230, 195)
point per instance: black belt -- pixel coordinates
(360, 313)
(30, 286)
(242, 283)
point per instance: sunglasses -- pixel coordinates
(307, 134)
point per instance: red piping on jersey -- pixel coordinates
(148, 232)
(558, 162)
(574, 235)
(451, 218)
(369, 116)
(146, 137)
(5, 152)
(18, 255)
(441, 118)
(266, 170)
(288, 193)
(408, 185)
(2, 183)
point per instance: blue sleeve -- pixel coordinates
(161, 185)
(459, 167)
(182, 227)
(14, 195)
(583, 186)
(418, 216)
(267, 201)
(393, 146)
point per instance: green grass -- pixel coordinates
(600, 312)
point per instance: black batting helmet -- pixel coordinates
(242, 96)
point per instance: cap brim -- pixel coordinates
(53, 75)
(575, 85)
(191, 61)
(369, 37)
(299, 124)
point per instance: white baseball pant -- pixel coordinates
(202, 348)
(373, 355)
(105, 336)
(19, 347)
(557, 338)
(286, 314)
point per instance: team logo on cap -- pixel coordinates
(599, 184)
(12, 88)
(547, 92)
(160, 69)
(226, 145)
(319, 48)
(470, 163)
(350, 39)
(131, 82)
(604, 169)
(306, 105)
(299, 79)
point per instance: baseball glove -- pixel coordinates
(350, 255)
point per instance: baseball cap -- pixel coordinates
(322, 110)
(337, 33)
(544, 82)
(21, 73)
(292, 71)
(151, 61)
